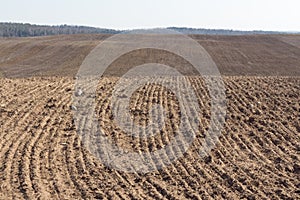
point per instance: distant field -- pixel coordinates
(274, 55)
(291, 39)
(257, 156)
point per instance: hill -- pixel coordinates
(256, 156)
(261, 55)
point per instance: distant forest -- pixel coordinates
(30, 30)
(221, 31)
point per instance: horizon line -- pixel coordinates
(149, 28)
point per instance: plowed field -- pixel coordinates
(257, 155)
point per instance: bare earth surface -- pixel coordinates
(257, 156)
(234, 55)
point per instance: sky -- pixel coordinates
(273, 15)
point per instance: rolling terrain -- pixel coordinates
(260, 55)
(257, 156)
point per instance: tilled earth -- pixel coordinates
(257, 156)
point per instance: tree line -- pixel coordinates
(203, 31)
(30, 30)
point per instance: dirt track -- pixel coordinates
(257, 157)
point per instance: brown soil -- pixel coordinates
(257, 156)
(234, 55)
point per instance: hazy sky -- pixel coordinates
(127, 14)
